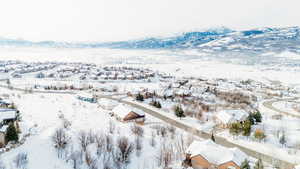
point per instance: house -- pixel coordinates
(40, 75)
(5, 103)
(107, 104)
(227, 117)
(88, 97)
(128, 114)
(7, 116)
(208, 154)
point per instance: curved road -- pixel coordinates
(269, 105)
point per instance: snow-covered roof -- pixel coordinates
(7, 114)
(215, 153)
(107, 102)
(3, 128)
(5, 101)
(85, 94)
(122, 110)
(230, 116)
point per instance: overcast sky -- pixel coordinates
(111, 20)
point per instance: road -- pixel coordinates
(269, 105)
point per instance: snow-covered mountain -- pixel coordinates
(260, 40)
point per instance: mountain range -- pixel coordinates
(212, 40)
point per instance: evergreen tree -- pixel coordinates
(282, 139)
(140, 97)
(213, 137)
(245, 164)
(257, 116)
(259, 164)
(158, 105)
(11, 133)
(246, 128)
(179, 112)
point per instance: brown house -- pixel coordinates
(127, 114)
(209, 155)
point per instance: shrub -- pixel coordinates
(156, 104)
(259, 134)
(235, 128)
(259, 164)
(245, 164)
(246, 127)
(11, 133)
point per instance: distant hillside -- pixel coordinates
(213, 40)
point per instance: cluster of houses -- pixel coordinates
(79, 70)
(30, 68)
(93, 72)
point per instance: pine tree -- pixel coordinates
(245, 164)
(282, 139)
(257, 116)
(140, 97)
(179, 112)
(259, 164)
(213, 137)
(11, 133)
(158, 105)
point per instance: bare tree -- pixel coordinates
(108, 143)
(123, 151)
(61, 140)
(152, 140)
(138, 145)
(180, 147)
(137, 130)
(76, 159)
(165, 156)
(90, 161)
(91, 137)
(172, 130)
(21, 160)
(83, 140)
(100, 143)
(111, 127)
